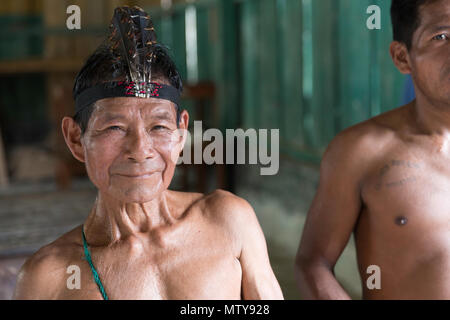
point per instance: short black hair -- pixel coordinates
(100, 68)
(405, 17)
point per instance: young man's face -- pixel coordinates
(131, 147)
(430, 52)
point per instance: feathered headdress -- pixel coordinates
(132, 41)
(130, 50)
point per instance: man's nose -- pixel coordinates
(140, 146)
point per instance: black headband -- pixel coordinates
(126, 89)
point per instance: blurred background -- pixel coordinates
(307, 67)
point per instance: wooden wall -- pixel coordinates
(308, 67)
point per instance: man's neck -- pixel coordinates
(111, 220)
(433, 118)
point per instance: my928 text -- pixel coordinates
(241, 309)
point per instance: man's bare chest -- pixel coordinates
(192, 269)
(408, 196)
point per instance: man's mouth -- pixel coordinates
(136, 175)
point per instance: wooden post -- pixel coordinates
(3, 169)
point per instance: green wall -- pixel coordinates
(308, 67)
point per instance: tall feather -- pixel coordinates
(132, 40)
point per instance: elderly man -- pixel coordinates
(388, 179)
(141, 240)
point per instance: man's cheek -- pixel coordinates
(167, 154)
(104, 146)
(97, 171)
(170, 153)
(98, 162)
(174, 146)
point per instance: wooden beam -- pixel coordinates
(40, 66)
(3, 169)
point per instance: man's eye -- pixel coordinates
(114, 128)
(159, 128)
(441, 37)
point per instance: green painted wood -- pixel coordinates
(308, 67)
(179, 43)
(391, 80)
(355, 64)
(321, 128)
(308, 57)
(204, 44)
(291, 80)
(369, 83)
(269, 107)
(226, 68)
(249, 58)
(21, 36)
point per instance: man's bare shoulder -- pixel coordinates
(214, 204)
(219, 207)
(46, 269)
(232, 213)
(361, 145)
(381, 128)
(224, 213)
(223, 204)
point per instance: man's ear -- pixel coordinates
(181, 135)
(184, 120)
(72, 135)
(400, 56)
(183, 125)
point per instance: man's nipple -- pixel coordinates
(401, 221)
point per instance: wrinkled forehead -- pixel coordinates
(132, 107)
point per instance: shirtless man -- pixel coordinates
(388, 179)
(145, 241)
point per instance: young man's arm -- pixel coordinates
(332, 217)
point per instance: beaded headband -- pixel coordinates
(126, 89)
